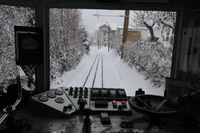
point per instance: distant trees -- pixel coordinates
(154, 20)
(11, 16)
(66, 39)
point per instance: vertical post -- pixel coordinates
(125, 31)
(42, 72)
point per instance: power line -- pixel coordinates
(106, 15)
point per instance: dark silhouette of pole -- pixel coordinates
(125, 31)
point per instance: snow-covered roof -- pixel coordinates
(113, 26)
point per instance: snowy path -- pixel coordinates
(101, 68)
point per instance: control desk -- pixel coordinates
(95, 110)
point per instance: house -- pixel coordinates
(110, 34)
(103, 34)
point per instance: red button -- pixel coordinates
(114, 102)
(123, 102)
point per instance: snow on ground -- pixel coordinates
(116, 74)
(128, 78)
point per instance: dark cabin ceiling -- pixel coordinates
(64, 2)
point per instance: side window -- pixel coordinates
(11, 16)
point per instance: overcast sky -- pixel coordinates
(92, 22)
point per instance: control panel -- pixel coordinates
(70, 100)
(79, 96)
(109, 100)
(52, 101)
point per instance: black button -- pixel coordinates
(104, 93)
(76, 89)
(76, 93)
(71, 91)
(81, 89)
(85, 96)
(86, 89)
(119, 107)
(122, 93)
(113, 93)
(59, 100)
(79, 100)
(85, 93)
(70, 106)
(51, 95)
(58, 92)
(95, 93)
(75, 96)
(124, 105)
(80, 93)
(65, 108)
(43, 98)
(115, 105)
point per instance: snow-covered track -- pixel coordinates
(95, 74)
(90, 71)
(101, 70)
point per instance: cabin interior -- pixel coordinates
(184, 77)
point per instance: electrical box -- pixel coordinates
(28, 45)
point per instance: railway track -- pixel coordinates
(96, 66)
(101, 70)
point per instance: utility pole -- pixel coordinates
(125, 31)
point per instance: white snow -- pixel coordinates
(116, 74)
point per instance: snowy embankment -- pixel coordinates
(128, 78)
(116, 74)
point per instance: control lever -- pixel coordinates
(82, 103)
(86, 123)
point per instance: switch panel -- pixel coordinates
(109, 94)
(109, 100)
(67, 101)
(77, 94)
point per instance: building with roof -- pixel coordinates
(107, 34)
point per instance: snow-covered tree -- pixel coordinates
(153, 59)
(146, 19)
(164, 21)
(166, 24)
(150, 58)
(66, 40)
(167, 19)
